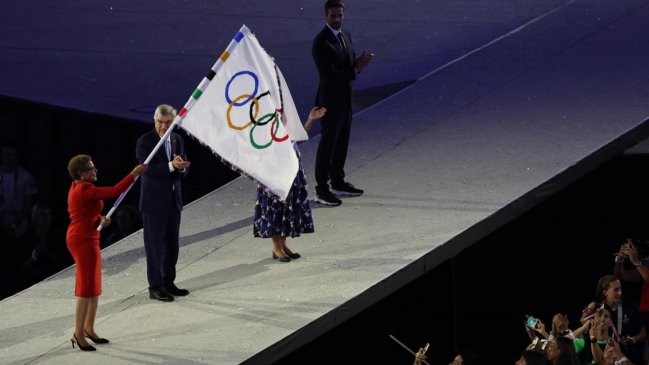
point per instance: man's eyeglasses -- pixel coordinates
(165, 123)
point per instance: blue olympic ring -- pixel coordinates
(252, 95)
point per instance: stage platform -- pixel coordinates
(468, 147)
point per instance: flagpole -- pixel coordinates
(176, 121)
(181, 115)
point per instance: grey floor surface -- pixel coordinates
(446, 154)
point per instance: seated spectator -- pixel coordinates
(530, 357)
(613, 354)
(46, 258)
(599, 334)
(465, 357)
(17, 194)
(625, 325)
(624, 316)
(638, 273)
(560, 328)
(561, 351)
(126, 220)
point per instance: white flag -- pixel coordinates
(244, 112)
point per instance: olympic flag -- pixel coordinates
(244, 112)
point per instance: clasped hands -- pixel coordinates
(178, 163)
(629, 251)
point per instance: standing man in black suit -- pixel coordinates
(161, 203)
(338, 66)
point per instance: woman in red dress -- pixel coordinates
(84, 205)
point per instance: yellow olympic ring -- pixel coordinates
(227, 115)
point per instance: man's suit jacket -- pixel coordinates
(336, 70)
(159, 185)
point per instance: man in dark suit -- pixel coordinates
(161, 203)
(338, 66)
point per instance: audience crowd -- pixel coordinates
(611, 330)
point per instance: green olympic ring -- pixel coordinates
(276, 124)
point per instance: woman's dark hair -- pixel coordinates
(534, 357)
(77, 164)
(567, 354)
(468, 357)
(602, 284)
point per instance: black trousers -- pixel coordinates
(330, 159)
(161, 244)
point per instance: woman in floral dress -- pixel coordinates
(278, 219)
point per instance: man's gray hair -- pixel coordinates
(164, 109)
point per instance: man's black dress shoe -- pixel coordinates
(176, 292)
(294, 255)
(161, 296)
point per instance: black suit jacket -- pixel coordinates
(159, 185)
(336, 70)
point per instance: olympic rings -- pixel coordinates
(254, 121)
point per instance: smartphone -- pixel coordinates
(531, 322)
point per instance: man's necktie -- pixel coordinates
(168, 148)
(167, 145)
(342, 41)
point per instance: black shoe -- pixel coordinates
(161, 295)
(281, 259)
(294, 255)
(81, 347)
(176, 292)
(327, 198)
(98, 340)
(345, 189)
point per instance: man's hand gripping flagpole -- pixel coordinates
(148, 159)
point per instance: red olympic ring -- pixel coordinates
(272, 133)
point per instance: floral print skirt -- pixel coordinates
(289, 218)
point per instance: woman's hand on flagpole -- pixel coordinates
(139, 170)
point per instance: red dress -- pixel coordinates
(84, 205)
